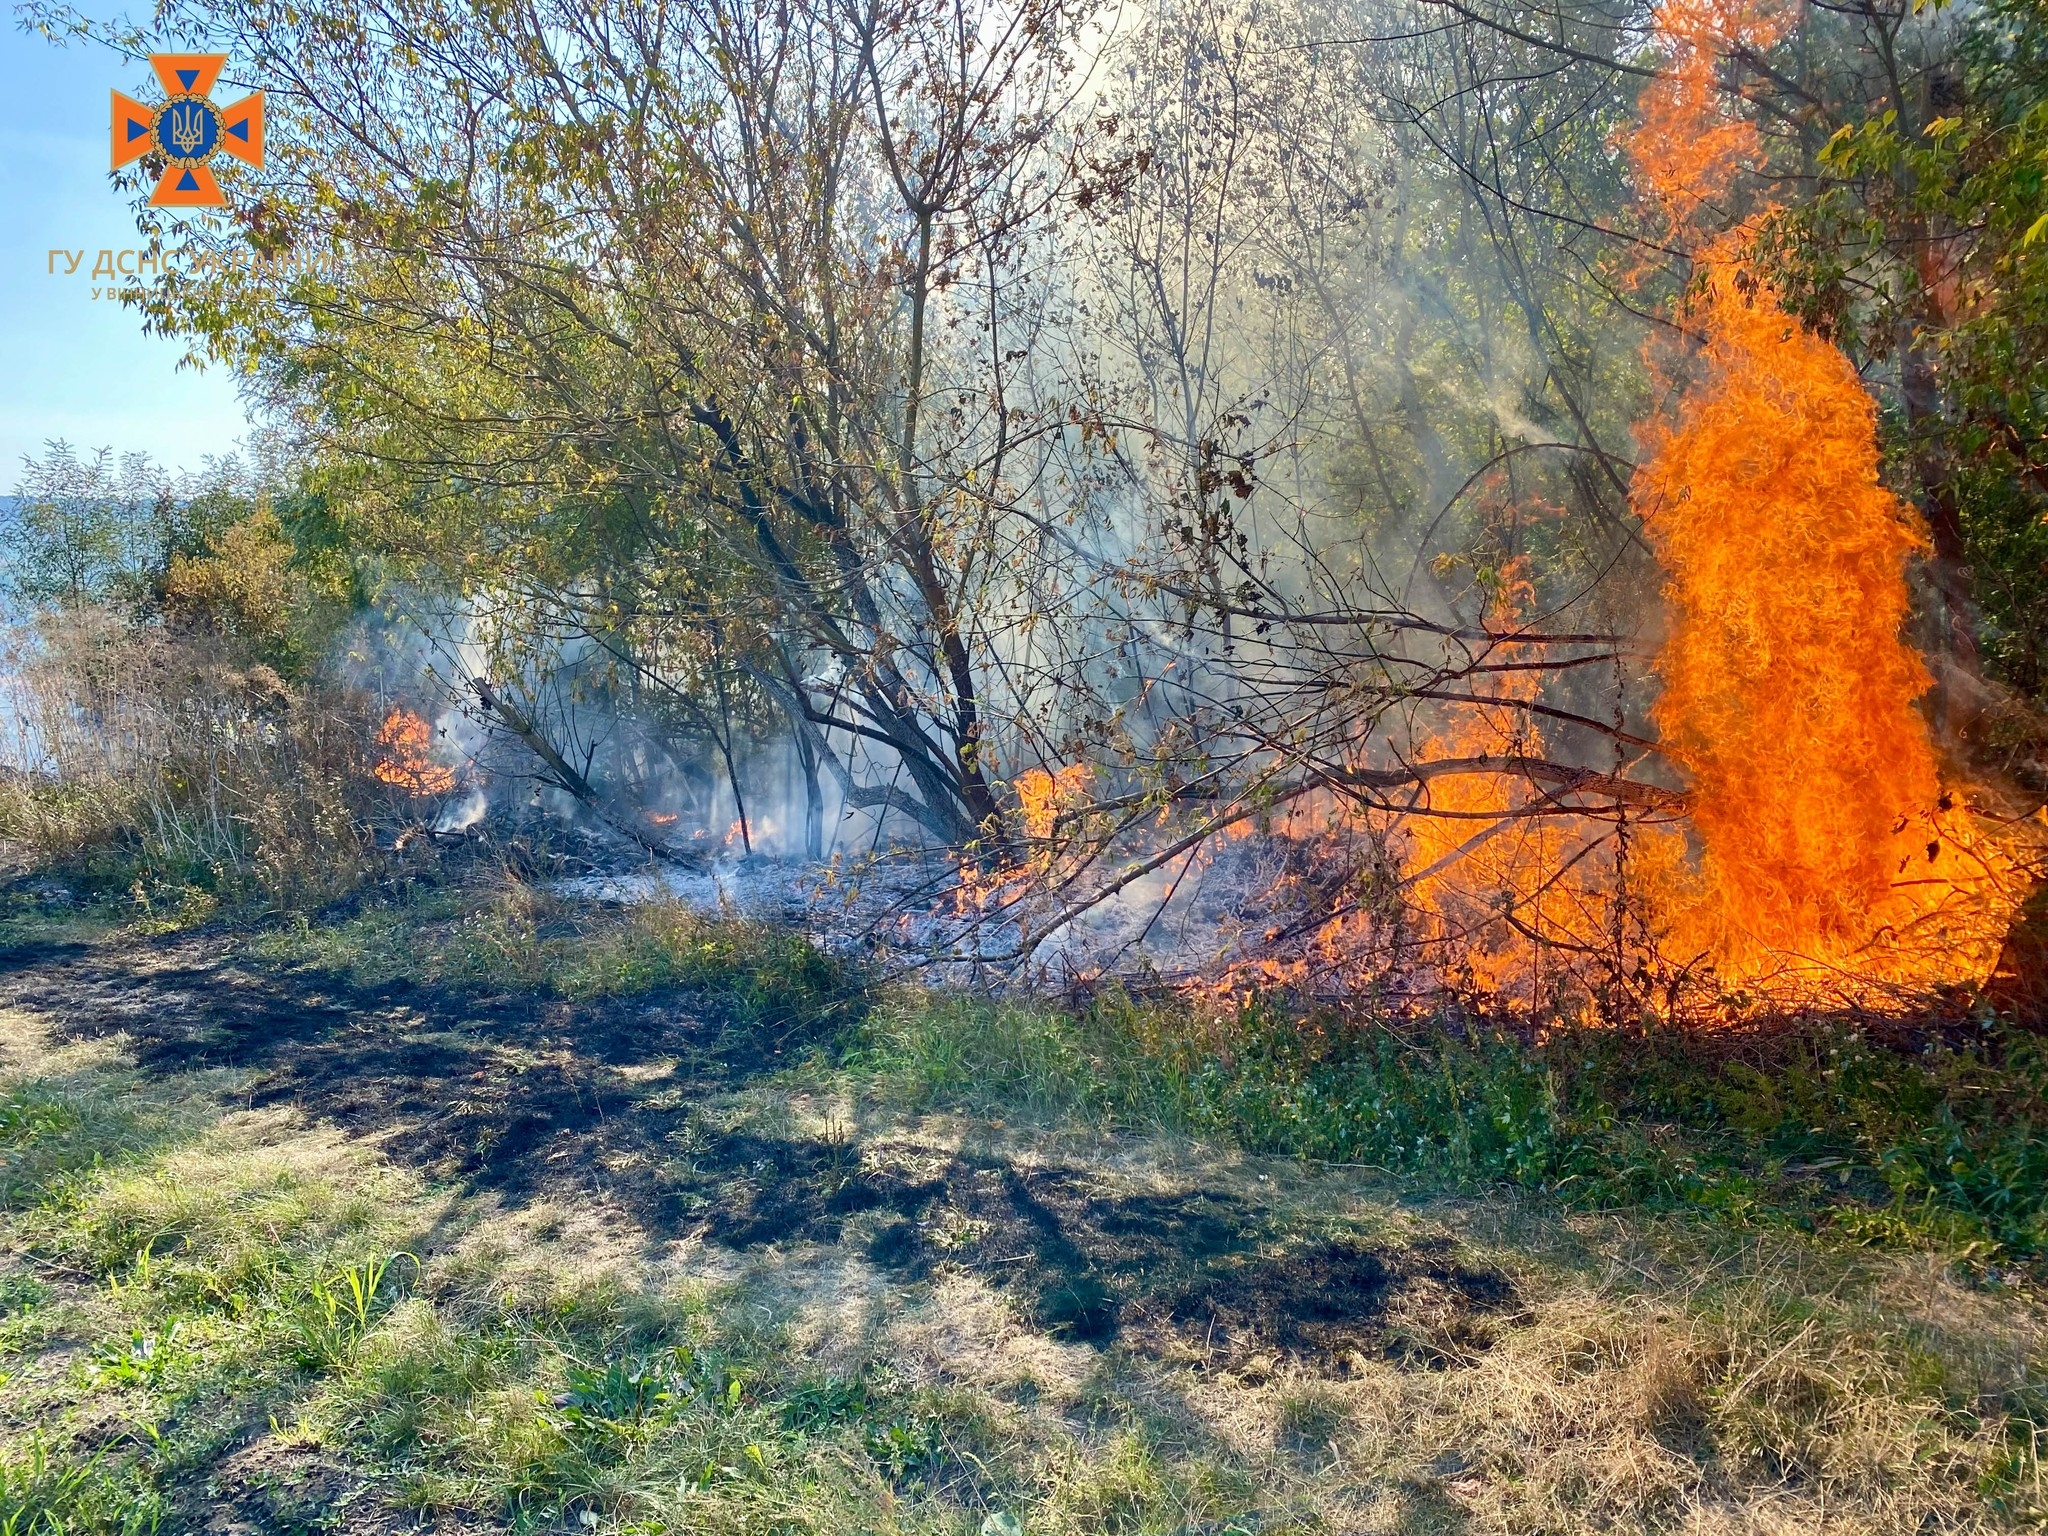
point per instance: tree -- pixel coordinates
(92, 527)
(1919, 245)
(625, 284)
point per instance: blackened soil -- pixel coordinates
(533, 1097)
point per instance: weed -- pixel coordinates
(46, 1495)
(823, 1402)
(909, 1450)
(332, 1313)
(29, 1112)
(626, 1394)
(20, 1294)
(1946, 1146)
(143, 1359)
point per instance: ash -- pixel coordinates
(904, 909)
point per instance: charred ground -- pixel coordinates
(529, 1098)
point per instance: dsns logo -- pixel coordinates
(188, 129)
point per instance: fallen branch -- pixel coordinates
(567, 778)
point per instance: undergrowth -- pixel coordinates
(211, 1313)
(514, 936)
(1818, 1124)
(253, 1307)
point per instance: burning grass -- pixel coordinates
(182, 772)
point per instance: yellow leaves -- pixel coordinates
(1838, 141)
(243, 586)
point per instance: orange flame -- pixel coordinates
(406, 742)
(1500, 890)
(1501, 895)
(1827, 861)
(1042, 794)
(1830, 854)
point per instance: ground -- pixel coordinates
(297, 1240)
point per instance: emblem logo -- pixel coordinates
(188, 130)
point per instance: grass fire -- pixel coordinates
(1020, 769)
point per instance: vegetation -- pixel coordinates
(1819, 1127)
(949, 1265)
(176, 732)
(1475, 576)
(1070, 446)
(523, 938)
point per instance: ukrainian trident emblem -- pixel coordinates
(188, 130)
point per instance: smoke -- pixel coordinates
(423, 657)
(1201, 537)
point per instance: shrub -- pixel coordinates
(166, 764)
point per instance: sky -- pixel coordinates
(76, 367)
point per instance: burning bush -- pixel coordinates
(1833, 855)
(173, 729)
(405, 760)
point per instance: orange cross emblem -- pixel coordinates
(188, 130)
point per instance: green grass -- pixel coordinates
(1779, 1280)
(1816, 1125)
(254, 1281)
(516, 937)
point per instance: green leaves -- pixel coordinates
(1866, 148)
(333, 1312)
(144, 1358)
(1921, 250)
(628, 1393)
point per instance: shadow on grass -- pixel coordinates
(519, 1094)
(529, 1096)
(1201, 1274)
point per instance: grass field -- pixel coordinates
(480, 1213)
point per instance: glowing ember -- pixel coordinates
(662, 818)
(406, 743)
(1830, 854)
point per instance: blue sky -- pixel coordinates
(75, 367)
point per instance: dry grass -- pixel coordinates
(175, 766)
(164, 1331)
